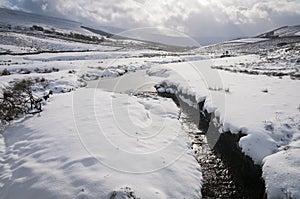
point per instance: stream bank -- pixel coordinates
(227, 171)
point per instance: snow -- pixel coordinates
(281, 173)
(161, 90)
(247, 40)
(57, 162)
(20, 19)
(286, 31)
(21, 43)
(69, 152)
(99, 143)
(87, 66)
(266, 109)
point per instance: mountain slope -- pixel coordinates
(285, 31)
(23, 19)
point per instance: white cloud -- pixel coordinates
(198, 18)
(5, 4)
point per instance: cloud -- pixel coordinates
(198, 18)
(5, 4)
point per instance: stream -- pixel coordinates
(227, 173)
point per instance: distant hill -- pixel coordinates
(18, 19)
(24, 19)
(285, 31)
(15, 18)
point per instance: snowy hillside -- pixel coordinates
(22, 19)
(279, 56)
(286, 31)
(22, 32)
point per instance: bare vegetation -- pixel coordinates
(18, 99)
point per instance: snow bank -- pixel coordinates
(104, 144)
(266, 109)
(281, 173)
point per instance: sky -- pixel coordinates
(207, 21)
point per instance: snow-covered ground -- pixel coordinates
(100, 145)
(104, 145)
(85, 157)
(66, 68)
(21, 43)
(266, 109)
(95, 143)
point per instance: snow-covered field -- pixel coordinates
(114, 142)
(35, 154)
(92, 143)
(266, 109)
(78, 150)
